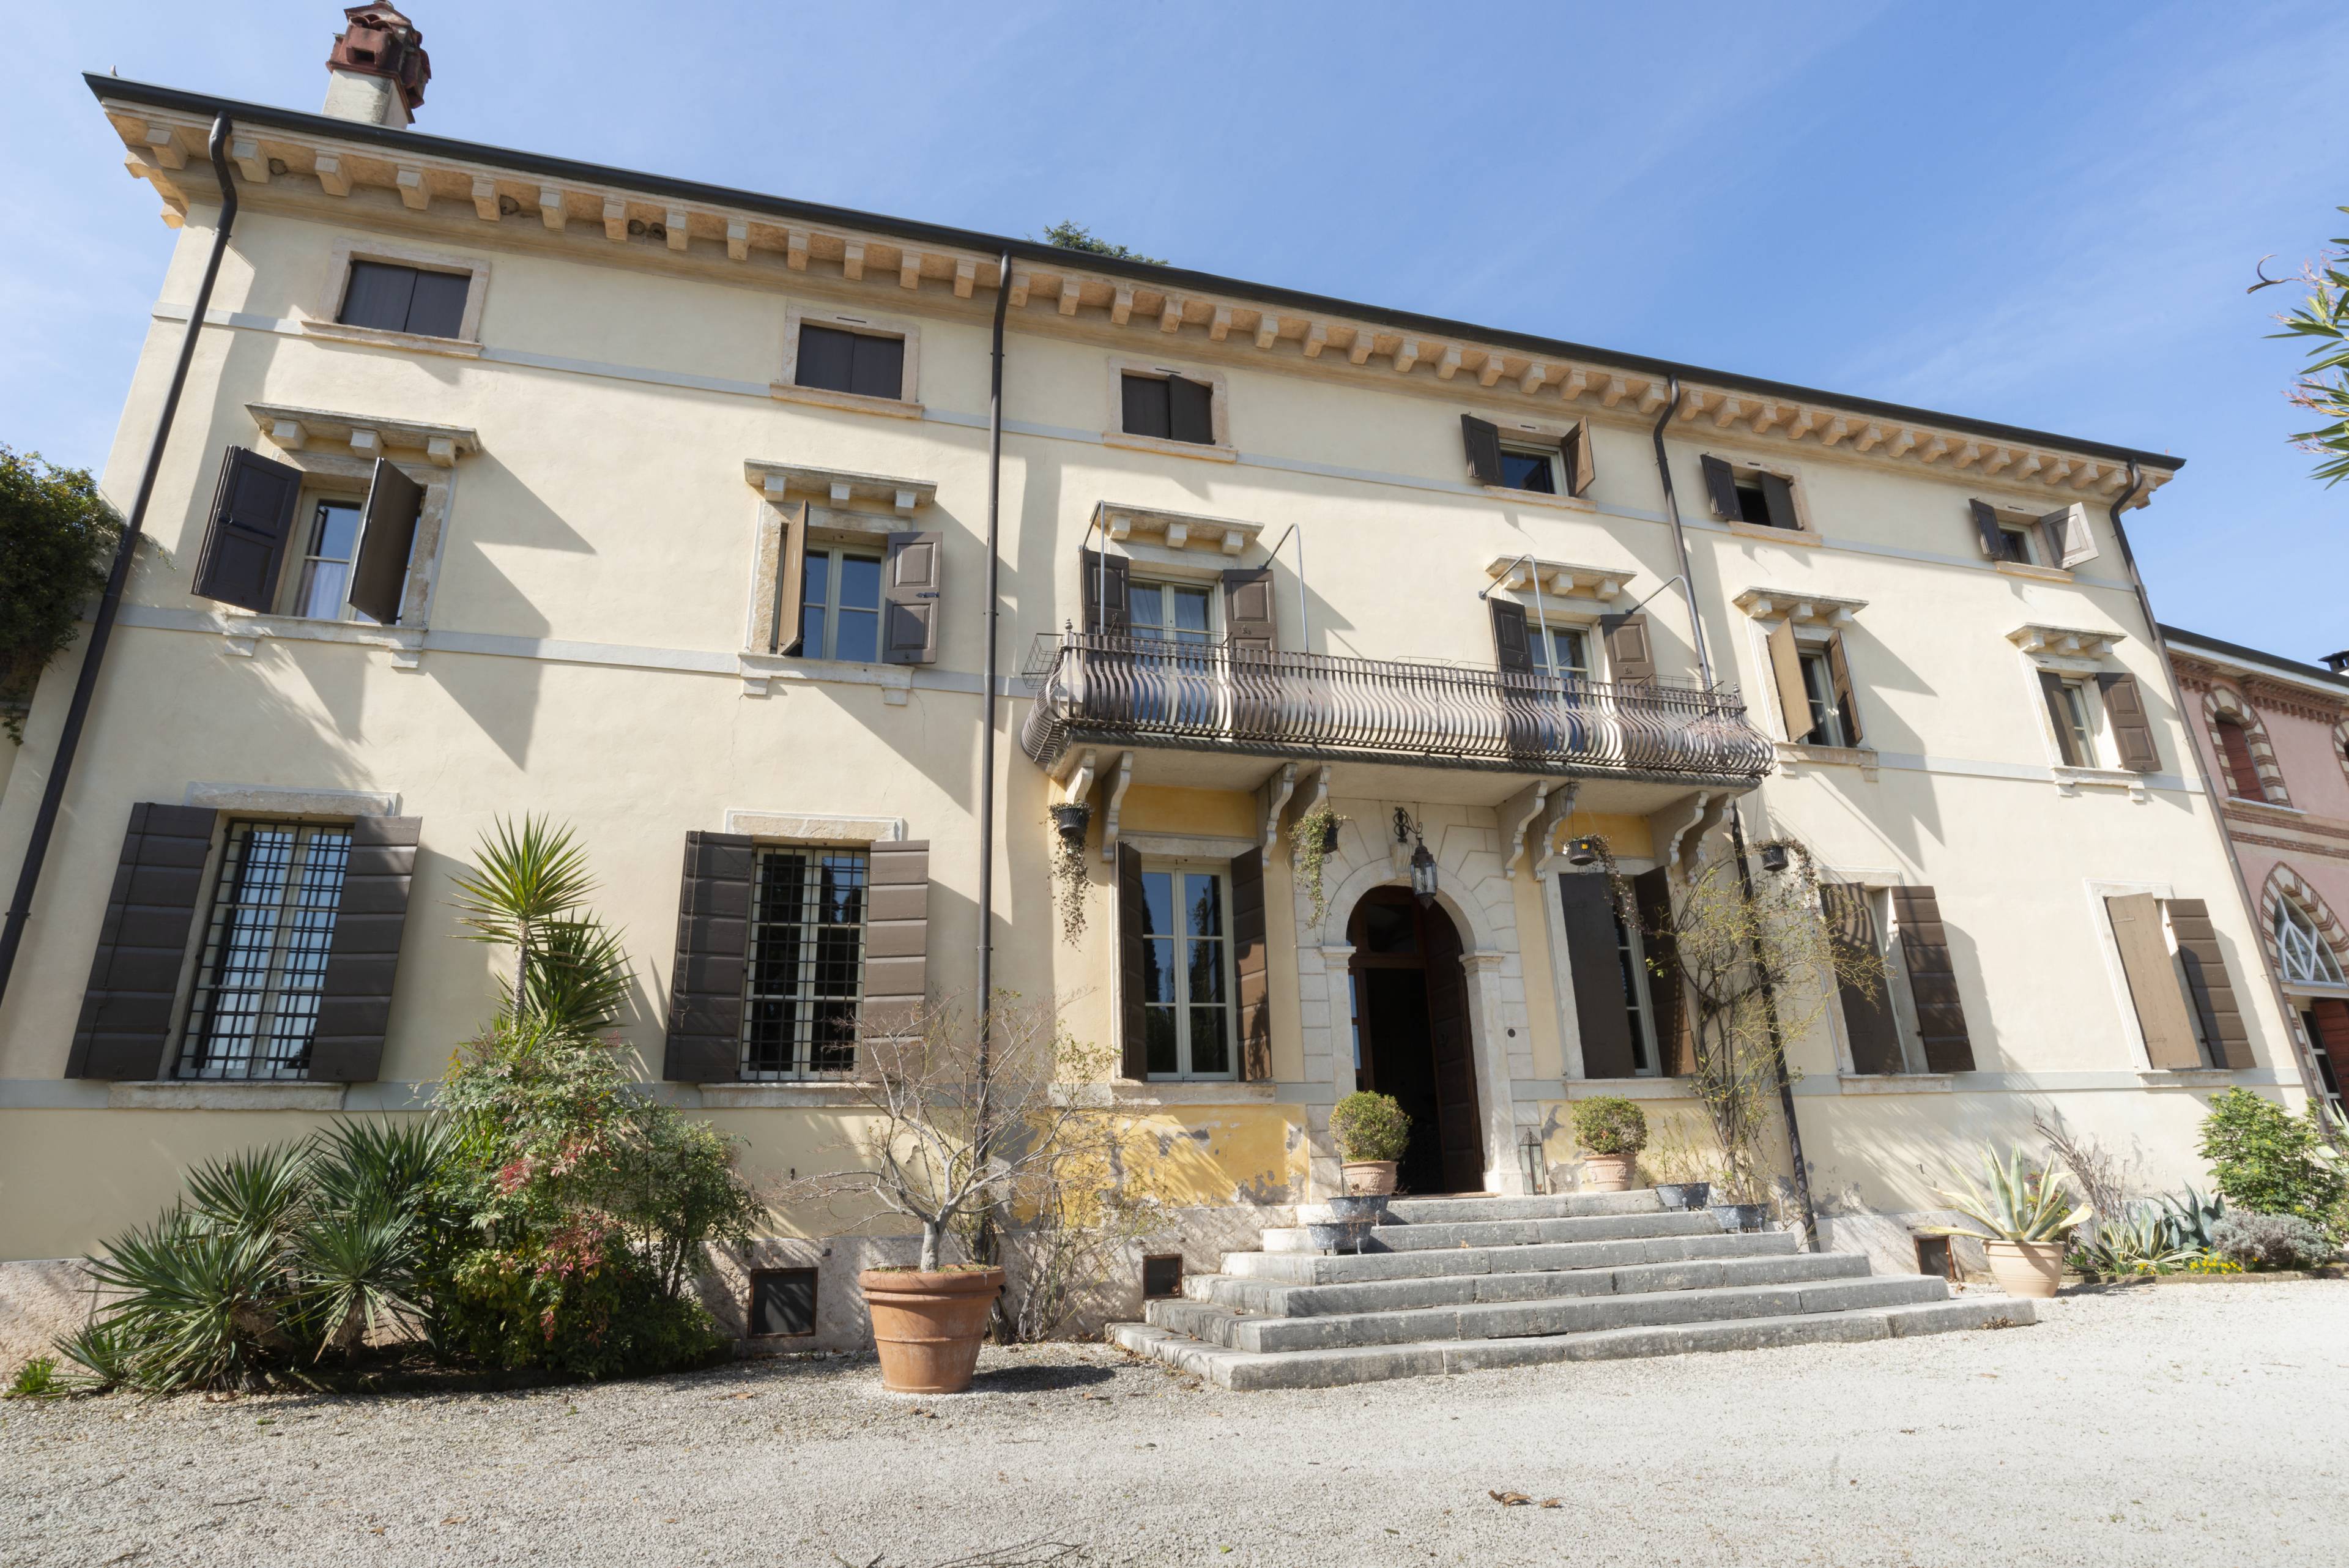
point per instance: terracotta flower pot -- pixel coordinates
(1369, 1177)
(2026, 1268)
(927, 1327)
(1607, 1172)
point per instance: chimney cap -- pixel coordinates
(2338, 662)
(380, 41)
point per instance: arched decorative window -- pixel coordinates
(2304, 956)
(2246, 755)
(2235, 750)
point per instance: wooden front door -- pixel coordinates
(1411, 1003)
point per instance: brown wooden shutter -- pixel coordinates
(2132, 726)
(387, 534)
(783, 617)
(1459, 1128)
(1778, 503)
(1630, 658)
(1720, 488)
(1512, 645)
(1596, 968)
(1868, 1016)
(142, 944)
(1143, 406)
(2161, 1013)
(1575, 450)
(1248, 616)
(1133, 1048)
(2242, 768)
(914, 587)
(1986, 529)
(1651, 891)
(1932, 980)
(1190, 410)
(363, 957)
(1105, 594)
(2068, 531)
(2050, 686)
(713, 935)
(898, 936)
(1847, 704)
(1786, 673)
(2205, 978)
(1249, 957)
(1482, 439)
(244, 542)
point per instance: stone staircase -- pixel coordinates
(1458, 1284)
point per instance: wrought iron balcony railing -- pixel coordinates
(1209, 696)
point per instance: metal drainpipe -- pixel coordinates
(2308, 1081)
(110, 604)
(1736, 826)
(994, 619)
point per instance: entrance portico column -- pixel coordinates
(1328, 1057)
(1487, 1005)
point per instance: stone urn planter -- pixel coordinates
(2026, 1268)
(1683, 1194)
(1607, 1172)
(1369, 1177)
(928, 1326)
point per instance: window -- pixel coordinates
(782, 1303)
(1169, 407)
(2015, 545)
(265, 959)
(2075, 712)
(840, 605)
(1523, 468)
(405, 299)
(2242, 769)
(806, 975)
(325, 574)
(2307, 957)
(836, 361)
(1753, 496)
(1186, 975)
(1566, 655)
(1173, 612)
(1828, 724)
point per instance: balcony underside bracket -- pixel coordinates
(1543, 850)
(1515, 815)
(1075, 776)
(1275, 795)
(1119, 786)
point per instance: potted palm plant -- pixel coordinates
(1371, 1132)
(2026, 1220)
(1613, 1131)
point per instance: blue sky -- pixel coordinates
(2040, 214)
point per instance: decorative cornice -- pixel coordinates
(1560, 579)
(839, 485)
(2063, 639)
(1175, 530)
(364, 434)
(1803, 608)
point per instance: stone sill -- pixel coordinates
(2187, 1078)
(1655, 1088)
(1127, 1093)
(1212, 454)
(375, 336)
(2041, 574)
(2070, 781)
(241, 631)
(771, 674)
(1897, 1083)
(225, 1095)
(1794, 755)
(1797, 536)
(781, 1095)
(1540, 498)
(856, 402)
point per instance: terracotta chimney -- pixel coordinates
(378, 68)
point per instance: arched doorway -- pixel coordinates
(1410, 1035)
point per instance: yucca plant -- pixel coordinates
(2021, 1204)
(528, 891)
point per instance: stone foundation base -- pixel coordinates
(40, 1299)
(1889, 1238)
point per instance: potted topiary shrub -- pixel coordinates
(1613, 1131)
(1370, 1131)
(2026, 1222)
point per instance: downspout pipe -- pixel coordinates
(1736, 829)
(110, 604)
(2210, 791)
(994, 623)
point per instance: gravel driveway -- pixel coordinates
(2153, 1424)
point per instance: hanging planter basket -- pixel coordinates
(1071, 820)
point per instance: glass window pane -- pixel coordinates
(1158, 1040)
(1528, 470)
(1204, 893)
(812, 633)
(860, 582)
(333, 530)
(857, 636)
(1145, 605)
(1211, 1043)
(817, 583)
(265, 962)
(1573, 654)
(1206, 976)
(804, 980)
(323, 585)
(1158, 969)
(1158, 903)
(1191, 610)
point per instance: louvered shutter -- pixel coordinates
(1513, 648)
(1105, 594)
(363, 956)
(1146, 406)
(1991, 537)
(1630, 658)
(244, 542)
(1652, 892)
(1190, 410)
(713, 931)
(914, 591)
(2153, 984)
(142, 944)
(1252, 964)
(898, 936)
(1778, 503)
(1720, 488)
(1248, 612)
(783, 619)
(1786, 673)
(2050, 686)
(2132, 726)
(1596, 968)
(1575, 452)
(1847, 704)
(387, 534)
(1133, 1049)
(2068, 531)
(1482, 439)
(1868, 1017)
(1932, 980)
(2206, 980)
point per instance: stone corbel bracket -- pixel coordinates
(1118, 787)
(1683, 829)
(1274, 796)
(1560, 580)
(1550, 831)
(2064, 641)
(1515, 815)
(1175, 530)
(1075, 777)
(777, 480)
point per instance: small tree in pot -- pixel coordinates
(1613, 1131)
(1371, 1132)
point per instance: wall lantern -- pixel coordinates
(1422, 864)
(1774, 858)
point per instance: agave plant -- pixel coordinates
(2191, 1219)
(2019, 1205)
(2140, 1240)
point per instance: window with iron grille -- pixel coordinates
(266, 945)
(806, 973)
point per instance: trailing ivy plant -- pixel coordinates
(1071, 881)
(1306, 857)
(57, 538)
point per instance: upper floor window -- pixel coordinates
(263, 964)
(405, 299)
(804, 982)
(834, 359)
(2079, 719)
(1564, 654)
(1168, 407)
(1186, 978)
(1811, 671)
(1173, 612)
(333, 535)
(2307, 957)
(840, 605)
(1741, 493)
(2242, 769)
(1827, 709)
(328, 548)
(1535, 459)
(2061, 538)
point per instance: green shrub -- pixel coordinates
(36, 1379)
(1609, 1124)
(2273, 1241)
(2269, 1161)
(1367, 1126)
(580, 1305)
(57, 538)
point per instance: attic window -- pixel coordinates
(836, 361)
(1169, 407)
(405, 299)
(1755, 497)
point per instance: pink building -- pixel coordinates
(2274, 740)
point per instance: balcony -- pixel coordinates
(1140, 692)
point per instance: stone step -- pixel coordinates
(1559, 1206)
(1422, 1235)
(1666, 1301)
(1690, 1270)
(1312, 1269)
(1242, 1369)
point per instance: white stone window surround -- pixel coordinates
(1219, 416)
(2079, 655)
(318, 319)
(1544, 436)
(1806, 533)
(2019, 518)
(906, 404)
(851, 512)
